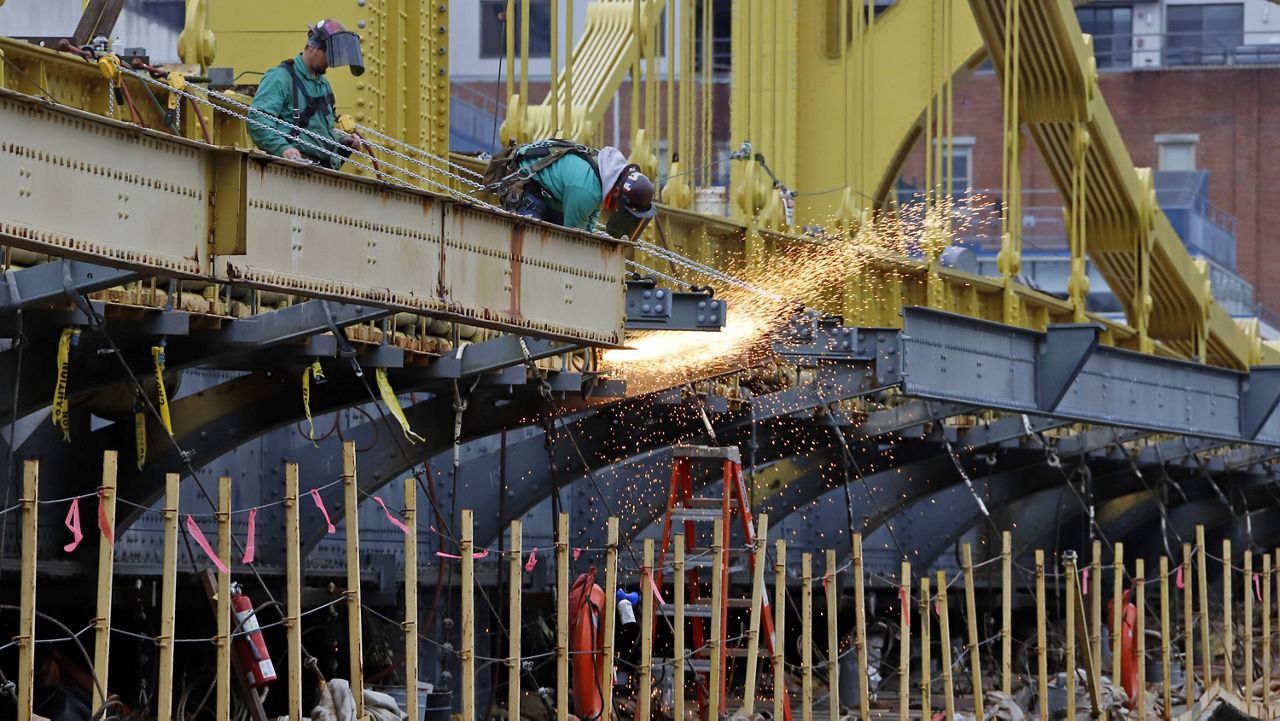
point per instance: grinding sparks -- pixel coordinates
(827, 271)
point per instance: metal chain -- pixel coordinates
(413, 148)
(249, 109)
(111, 98)
(420, 163)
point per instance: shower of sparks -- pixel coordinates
(799, 275)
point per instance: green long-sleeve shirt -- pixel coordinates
(575, 190)
(277, 97)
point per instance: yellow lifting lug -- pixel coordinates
(178, 82)
(346, 123)
(109, 64)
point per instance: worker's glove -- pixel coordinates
(292, 153)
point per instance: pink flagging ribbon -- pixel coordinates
(475, 556)
(1257, 588)
(906, 612)
(248, 544)
(937, 609)
(203, 543)
(103, 526)
(1084, 582)
(394, 521)
(1178, 579)
(315, 496)
(73, 525)
(532, 562)
(577, 552)
(657, 592)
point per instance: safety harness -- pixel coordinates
(308, 106)
(506, 177)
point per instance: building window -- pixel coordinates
(1202, 34)
(493, 30)
(1177, 152)
(961, 164)
(1112, 31)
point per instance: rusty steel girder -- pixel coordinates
(89, 187)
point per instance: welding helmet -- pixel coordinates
(631, 202)
(340, 45)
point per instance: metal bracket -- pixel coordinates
(1259, 395)
(812, 339)
(494, 354)
(652, 308)
(55, 280)
(1063, 352)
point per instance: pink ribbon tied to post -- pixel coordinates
(103, 526)
(1257, 588)
(73, 525)
(1084, 581)
(1178, 577)
(906, 612)
(315, 496)
(394, 521)
(475, 556)
(248, 544)
(203, 543)
(532, 562)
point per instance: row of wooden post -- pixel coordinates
(1074, 613)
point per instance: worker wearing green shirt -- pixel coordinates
(295, 94)
(569, 184)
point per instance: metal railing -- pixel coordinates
(1132, 51)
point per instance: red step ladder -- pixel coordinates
(684, 507)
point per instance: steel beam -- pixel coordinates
(652, 308)
(959, 359)
(282, 227)
(61, 279)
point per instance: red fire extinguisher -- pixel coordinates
(249, 644)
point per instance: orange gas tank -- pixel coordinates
(586, 640)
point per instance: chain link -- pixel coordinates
(111, 98)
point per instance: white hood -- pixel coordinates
(611, 161)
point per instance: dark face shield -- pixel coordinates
(622, 223)
(344, 49)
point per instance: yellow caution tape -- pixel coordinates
(61, 409)
(393, 404)
(313, 371)
(140, 437)
(157, 359)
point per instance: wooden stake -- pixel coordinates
(1069, 569)
(1117, 611)
(753, 629)
(904, 644)
(1266, 633)
(467, 653)
(562, 617)
(646, 634)
(715, 643)
(355, 633)
(168, 598)
(1095, 607)
(779, 628)
(106, 577)
(1248, 630)
(1006, 613)
(806, 637)
(223, 606)
(859, 631)
(833, 640)
(678, 656)
(410, 514)
(1228, 641)
(926, 706)
(971, 614)
(515, 594)
(610, 613)
(1188, 623)
(1140, 590)
(293, 589)
(26, 636)
(1202, 576)
(1042, 652)
(944, 643)
(1165, 655)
